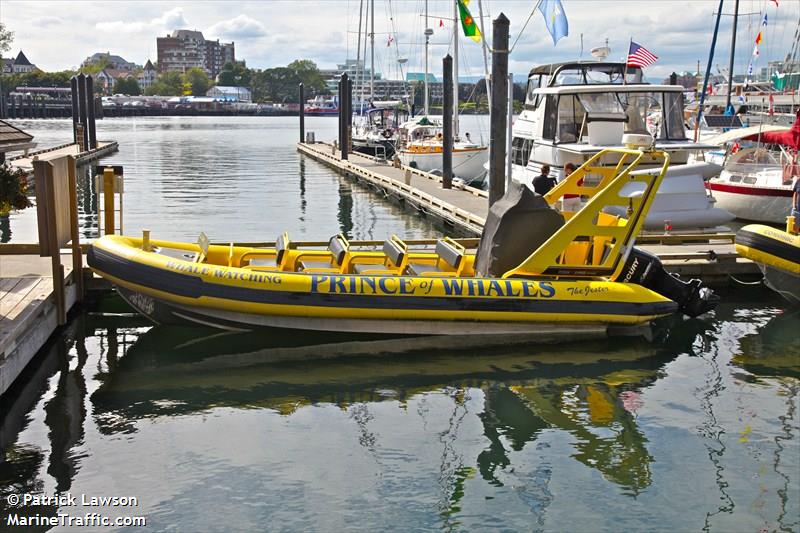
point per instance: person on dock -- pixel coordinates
(571, 202)
(543, 182)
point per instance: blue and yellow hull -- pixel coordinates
(777, 254)
(170, 289)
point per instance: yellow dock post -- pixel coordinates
(108, 199)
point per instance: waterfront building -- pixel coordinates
(147, 76)
(230, 94)
(186, 49)
(356, 70)
(109, 60)
(20, 65)
(106, 78)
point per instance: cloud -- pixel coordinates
(47, 21)
(169, 20)
(241, 27)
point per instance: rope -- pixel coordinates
(525, 25)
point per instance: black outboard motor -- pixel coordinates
(645, 269)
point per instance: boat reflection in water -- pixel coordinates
(774, 350)
(515, 433)
(170, 371)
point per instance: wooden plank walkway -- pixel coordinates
(714, 260)
(25, 161)
(28, 313)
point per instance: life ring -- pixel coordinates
(388, 134)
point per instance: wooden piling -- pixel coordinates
(73, 83)
(302, 99)
(90, 113)
(447, 123)
(82, 100)
(499, 109)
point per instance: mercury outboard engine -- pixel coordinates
(645, 269)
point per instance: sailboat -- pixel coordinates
(421, 140)
(376, 131)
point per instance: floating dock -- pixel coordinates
(28, 309)
(710, 257)
(25, 161)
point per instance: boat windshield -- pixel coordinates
(586, 74)
(659, 114)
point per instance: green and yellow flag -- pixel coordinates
(467, 22)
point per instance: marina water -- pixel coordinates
(695, 429)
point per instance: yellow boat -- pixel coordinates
(581, 279)
(777, 254)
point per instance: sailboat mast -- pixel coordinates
(456, 19)
(733, 51)
(358, 84)
(428, 33)
(372, 51)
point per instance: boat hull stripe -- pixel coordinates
(768, 245)
(749, 191)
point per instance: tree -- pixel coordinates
(309, 74)
(197, 80)
(234, 75)
(6, 38)
(167, 84)
(276, 85)
(129, 86)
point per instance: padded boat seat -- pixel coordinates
(338, 248)
(449, 261)
(268, 260)
(395, 262)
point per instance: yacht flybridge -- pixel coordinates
(575, 110)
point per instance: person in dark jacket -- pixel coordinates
(543, 182)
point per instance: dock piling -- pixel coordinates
(499, 109)
(302, 98)
(90, 113)
(447, 123)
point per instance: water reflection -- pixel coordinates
(509, 425)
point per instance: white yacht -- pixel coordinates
(573, 110)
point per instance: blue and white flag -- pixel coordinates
(555, 19)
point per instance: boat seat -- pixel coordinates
(338, 248)
(449, 261)
(395, 263)
(274, 260)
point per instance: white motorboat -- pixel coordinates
(756, 183)
(574, 110)
(421, 145)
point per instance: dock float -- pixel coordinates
(710, 257)
(29, 310)
(25, 161)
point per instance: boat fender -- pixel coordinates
(645, 269)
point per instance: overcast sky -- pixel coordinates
(59, 35)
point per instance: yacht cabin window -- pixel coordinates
(657, 114)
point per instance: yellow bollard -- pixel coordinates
(790, 224)
(108, 199)
(146, 240)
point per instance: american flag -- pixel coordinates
(639, 56)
